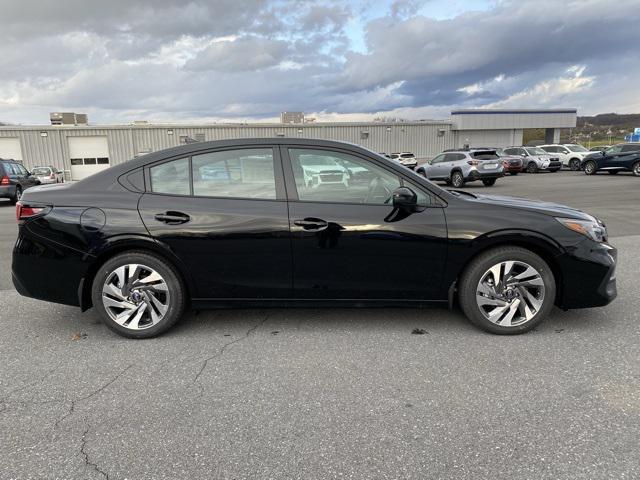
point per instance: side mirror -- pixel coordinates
(405, 198)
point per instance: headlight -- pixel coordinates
(594, 229)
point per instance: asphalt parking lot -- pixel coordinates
(310, 393)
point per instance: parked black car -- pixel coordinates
(143, 240)
(619, 158)
(14, 179)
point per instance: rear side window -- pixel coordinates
(243, 173)
(171, 177)
(630, 148)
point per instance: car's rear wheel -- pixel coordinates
(489, 182)
(590, 168)
(574, 164)
(457, 180)
(138, 295)
(507, 290)
(532, 167)
(17, 195)
(636, 169)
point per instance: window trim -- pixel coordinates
(281, 195)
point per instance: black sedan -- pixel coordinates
(619, 158)
(256, 222)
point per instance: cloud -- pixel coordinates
(224, 59)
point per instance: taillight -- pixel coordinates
(4, 181)
(52, 176)
(27, 211)
(473, 162)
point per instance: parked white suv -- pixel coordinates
(405, 158)
(570, 154)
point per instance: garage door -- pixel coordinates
(10, 148)
(88, 155)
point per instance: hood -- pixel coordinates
(324, 168)
(547, 208)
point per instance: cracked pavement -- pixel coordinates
(348, 393)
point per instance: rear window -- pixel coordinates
(42, 171)
(407, 155)
(488, 155)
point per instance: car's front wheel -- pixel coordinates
(138, 295)
(574, 164)
(532, 167)
(507, 290)
(590, 168)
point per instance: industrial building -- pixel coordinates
(81, 150)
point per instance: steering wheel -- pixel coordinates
(374, 186)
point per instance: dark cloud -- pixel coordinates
(169, 59)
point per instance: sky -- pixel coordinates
(248, 60)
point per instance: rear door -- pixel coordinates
(348, 242)
(224, 214)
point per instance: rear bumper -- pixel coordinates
(46, 270)
(512, 168)
(7, 191)
(589, 275)
(479, 175)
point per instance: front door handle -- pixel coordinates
(312, 224)
(172, 218)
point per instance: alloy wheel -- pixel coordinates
(510, 293)
(636, 169)
(590, 168)
(574, 165)
(135, 296)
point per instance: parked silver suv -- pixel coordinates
(461, 166)
(535, 159)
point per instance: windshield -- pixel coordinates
(577, 148)
(42, 171)
(312, 160)
(535, 151)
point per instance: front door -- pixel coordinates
(224, 215)
(347, 240)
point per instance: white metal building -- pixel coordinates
(84, 149)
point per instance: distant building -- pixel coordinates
(68, 118)
(292, 117)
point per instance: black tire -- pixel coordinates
(635, 169)
(554, 170)
(422, 172)
(532, 167)
(17, 195)
(489, 182)
(457, 180)
(513, 173)
(474, 272)
(574, 164)
(168, 274)
(590, 168)
(613, 172)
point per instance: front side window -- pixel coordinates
(243, 173)
(171, 177)
(327, 176)
(438, 159)
(614, 149)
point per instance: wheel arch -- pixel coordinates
(543, 246)
(121, 245)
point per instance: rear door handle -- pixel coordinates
(172, 218)
(312, 224)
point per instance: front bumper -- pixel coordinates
(554, 165)
(588, 275)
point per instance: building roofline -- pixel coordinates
(491, 111)
(219, 125)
